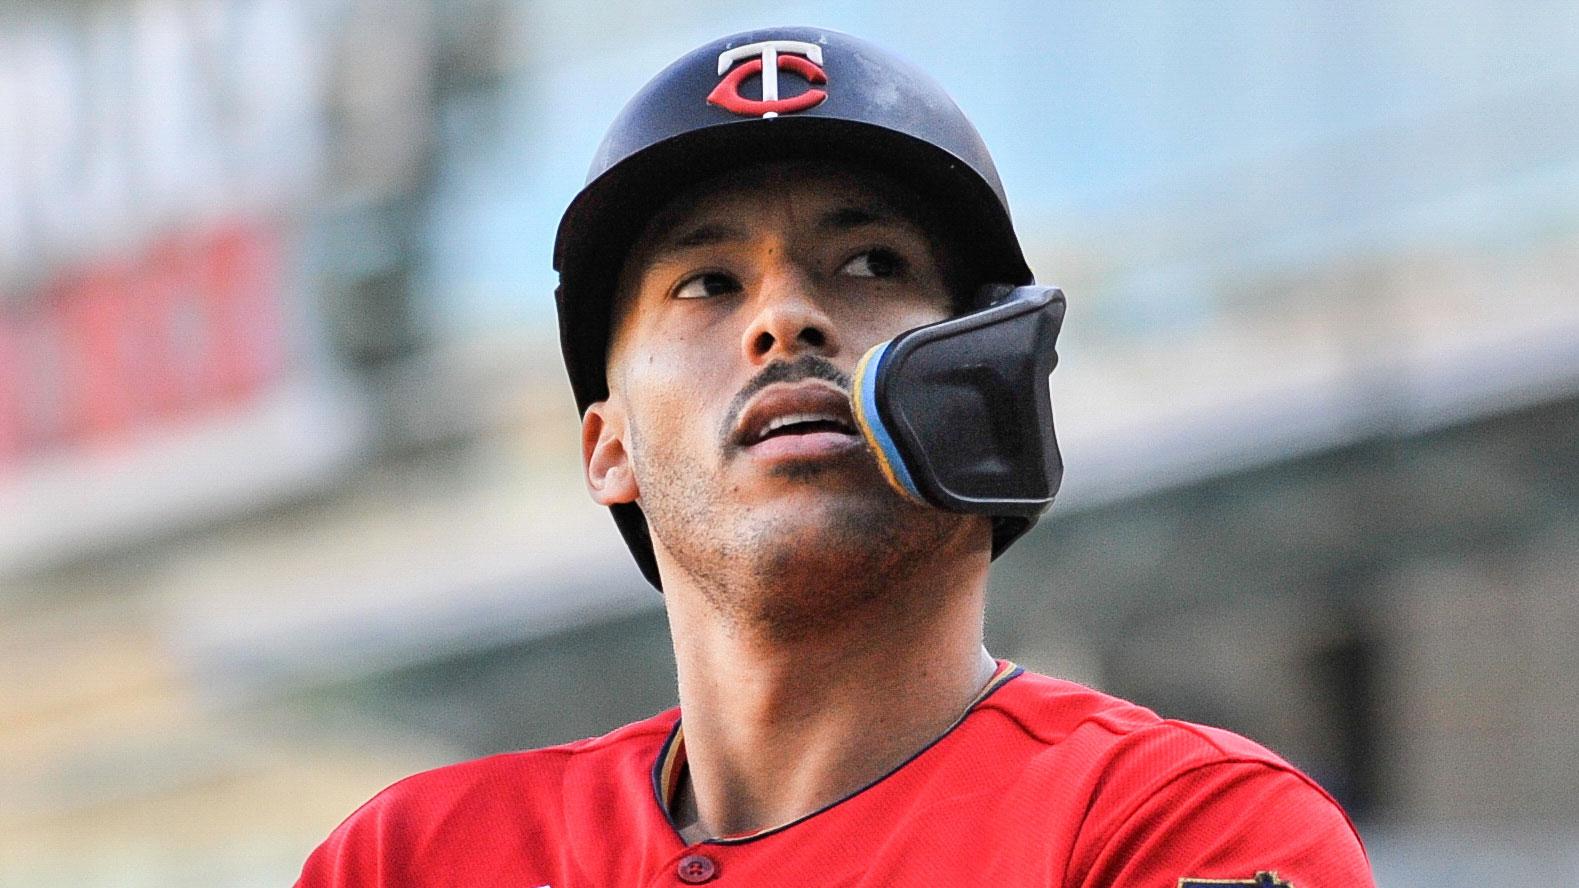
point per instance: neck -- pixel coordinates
(778, 726)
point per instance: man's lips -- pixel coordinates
(812, 408)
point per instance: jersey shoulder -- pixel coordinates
(1164, 800)
(412, 824)
(529, 772)
(1072, 717)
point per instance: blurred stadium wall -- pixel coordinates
(289, 497)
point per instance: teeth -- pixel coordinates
(779, 422)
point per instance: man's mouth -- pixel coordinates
(803, 424)
(795, 409)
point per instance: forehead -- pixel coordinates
(775, 191)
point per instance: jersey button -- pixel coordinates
(694, 869)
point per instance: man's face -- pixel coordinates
(742, 311)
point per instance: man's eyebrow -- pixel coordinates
(846, 218)
(704, 235)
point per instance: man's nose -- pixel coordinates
(789, 320)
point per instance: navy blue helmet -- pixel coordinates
(791, 93)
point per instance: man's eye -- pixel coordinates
(878, 263)
(710, 283)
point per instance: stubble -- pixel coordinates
(785, 574)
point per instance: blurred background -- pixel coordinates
(290, 502)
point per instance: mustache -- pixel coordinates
(803, 367)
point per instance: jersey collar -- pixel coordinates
(669, 771)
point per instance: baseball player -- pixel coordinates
(812, 367)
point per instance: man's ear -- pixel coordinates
(610, 478)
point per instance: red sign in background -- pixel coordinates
(189, 325)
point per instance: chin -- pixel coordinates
(803, 524)
(847, 535)
(815, 571)
(804, 561)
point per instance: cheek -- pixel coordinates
(675, 386)
(883, 322)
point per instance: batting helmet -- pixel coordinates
(823, 95)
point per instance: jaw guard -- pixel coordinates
(959, 413)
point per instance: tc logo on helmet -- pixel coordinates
(768, 58)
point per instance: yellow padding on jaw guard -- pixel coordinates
(864, 399)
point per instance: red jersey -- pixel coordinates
(1041, 783)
